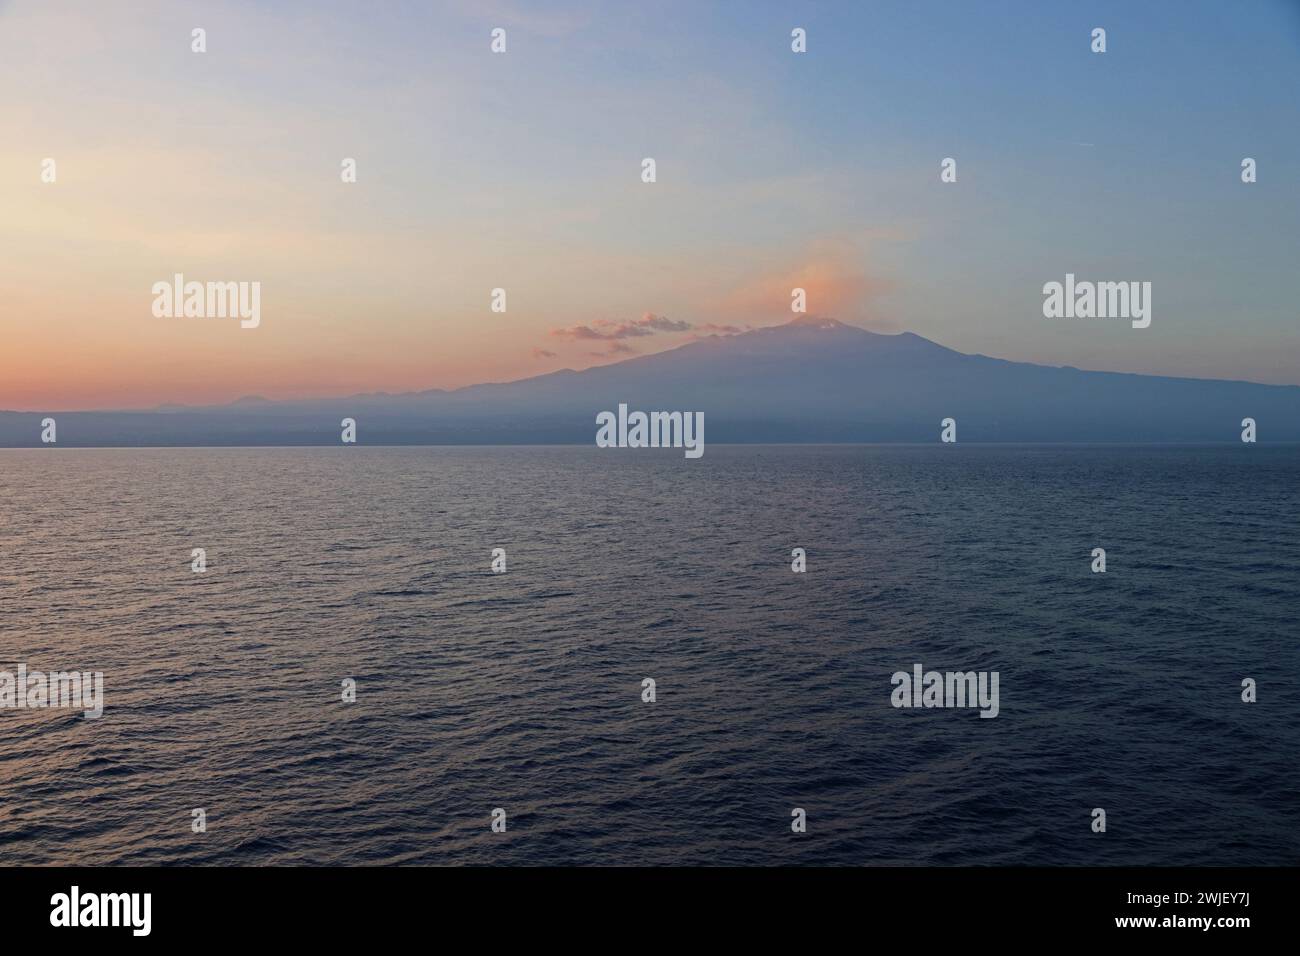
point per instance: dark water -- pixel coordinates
(523, 691)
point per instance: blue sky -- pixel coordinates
(521, 171)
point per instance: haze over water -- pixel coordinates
(523, 691)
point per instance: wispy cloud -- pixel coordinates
(712, 328)
(614, 348)
(607, 330)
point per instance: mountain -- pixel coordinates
(812, 380)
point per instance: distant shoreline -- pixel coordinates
(754, 444)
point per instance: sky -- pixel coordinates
(522, 171)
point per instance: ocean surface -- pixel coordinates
(523, 690)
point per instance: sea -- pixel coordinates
(521, 696)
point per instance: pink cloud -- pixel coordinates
(605, 330)
(615, 348)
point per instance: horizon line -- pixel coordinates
(560, 444)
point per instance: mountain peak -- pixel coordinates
(816, 322)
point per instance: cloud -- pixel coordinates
(606, 330)
(613, 334)
(615, 348)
